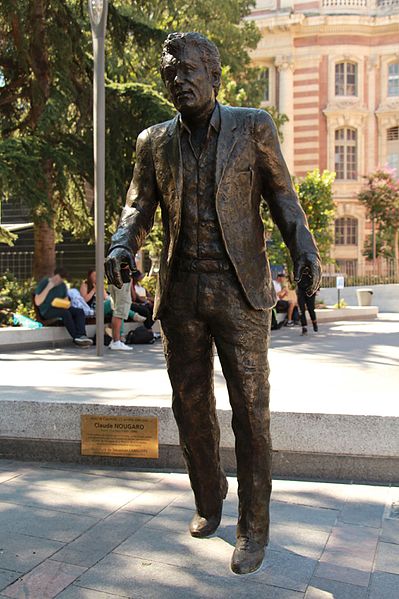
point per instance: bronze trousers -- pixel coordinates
(204, 308)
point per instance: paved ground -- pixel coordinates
(82, 533)
(343, 369)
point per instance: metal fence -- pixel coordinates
(20, 264)
(381, 271)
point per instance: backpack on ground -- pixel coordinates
(140, 335)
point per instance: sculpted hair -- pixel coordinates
(209, 52)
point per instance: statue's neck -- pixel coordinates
(200, 120)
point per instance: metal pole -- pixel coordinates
(98, 17)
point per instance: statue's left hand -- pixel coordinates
(308, 273)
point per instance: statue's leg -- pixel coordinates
(241, 336)
(189, 358)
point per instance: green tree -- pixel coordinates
(46, 99)
(381, 199)
(46, 114)
(316, 198)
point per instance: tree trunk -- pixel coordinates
(44, 257)
(44, 232)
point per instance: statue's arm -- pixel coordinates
(138, 214)
(279, 193)
(142, 199)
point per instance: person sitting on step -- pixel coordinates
(51, 298)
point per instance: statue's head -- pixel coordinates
(191, 71)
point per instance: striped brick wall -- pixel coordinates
(306, 119)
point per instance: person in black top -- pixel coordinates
(306, 301)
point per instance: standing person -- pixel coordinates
(121, 301)
(46, 292)
(209, 169)
(121, 298)
(306, 301)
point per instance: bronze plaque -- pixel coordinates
(120, 436)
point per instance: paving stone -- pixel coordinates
(130, 577)
(315, 518)
(7, 577)
(144, 549)
(22, 553)
(110, 472)
(287, 570)
(186, 501)
(212, 557)
(365, 515)
(76, 494)
(321, 588)
(365, 505)
(353, 576)
(42, 523)
(5, 464)
(75, 592)
(7, 475)
(297, 539)
(384, 586)
(94, 544)
(390, 531)
(230, 504)
(45, 581)
(387, 559)
(349, 554)
(314, 494)
(175, 482)
(151, 502)
(178, 520)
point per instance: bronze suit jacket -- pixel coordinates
(249, 167)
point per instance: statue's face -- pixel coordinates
(188, 81)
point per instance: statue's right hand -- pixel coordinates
(117, 259)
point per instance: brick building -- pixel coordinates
(332, 66)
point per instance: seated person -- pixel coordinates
(286, 302)
(48, 290)
(142, 303)
(88, 292)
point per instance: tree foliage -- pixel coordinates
(46, 99)
(381, 199)
(316, 198)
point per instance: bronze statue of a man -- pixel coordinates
(209, 169)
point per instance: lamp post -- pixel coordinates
(98, 18)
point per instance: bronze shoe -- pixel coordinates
(200, 526)
(247, 557)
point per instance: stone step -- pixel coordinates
(334, 446)
(17, 337)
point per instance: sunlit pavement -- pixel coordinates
(80, 532)
(346, 368)
(98, 533)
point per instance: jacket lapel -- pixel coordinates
(173, 153)
(226, 142)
